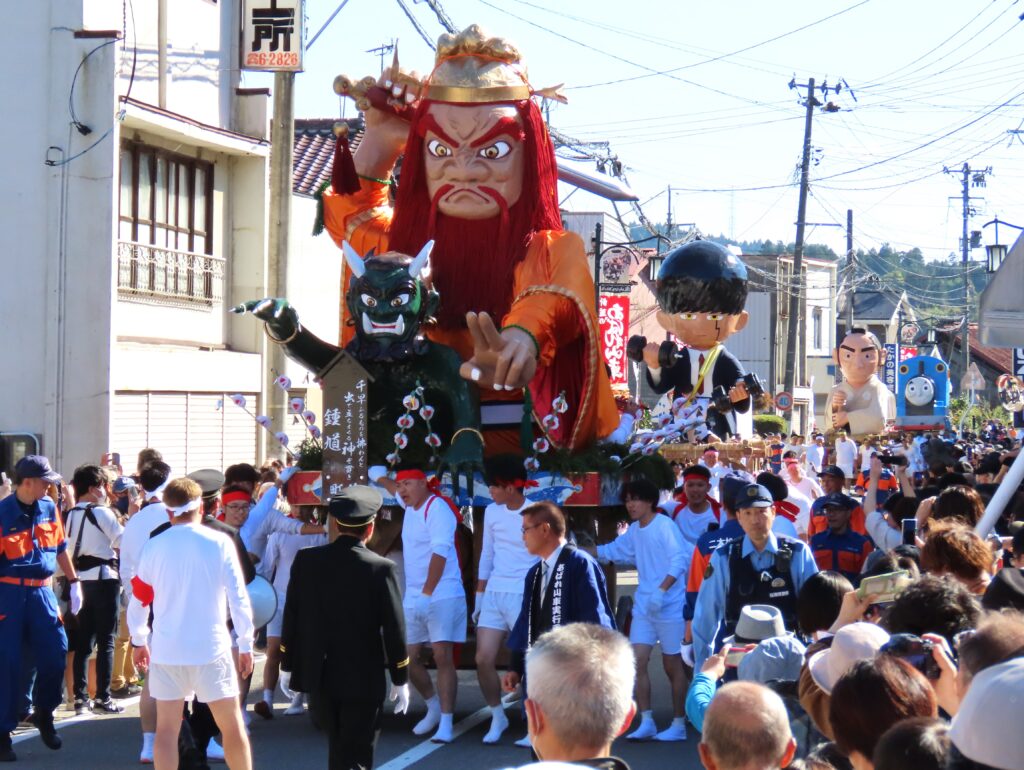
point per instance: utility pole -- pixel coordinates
(282, 136)
(851, 270)
(668, 219)
(967, 177)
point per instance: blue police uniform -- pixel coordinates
(758, 573)
(32, 537)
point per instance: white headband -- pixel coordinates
(159, 490)
(191, 505)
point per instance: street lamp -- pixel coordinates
(996, 253)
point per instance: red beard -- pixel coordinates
(473, 263)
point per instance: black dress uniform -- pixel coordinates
(343, 625)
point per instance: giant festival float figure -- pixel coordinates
(861, 404)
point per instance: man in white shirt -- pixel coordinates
(153, 478)
(815, 455)
(434, 601)
(796, 479)
(694, 516)
(712, 461)
(93, 535)
(846, 454)
(191, 577)
(656, 547)
(504, 562)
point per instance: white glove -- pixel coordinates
(76, 597)
(477, 606)
(687, 655)
(400, 697)
(375, 472)
(287, 473)
(285, 679)
(421, 606)
(655, 603)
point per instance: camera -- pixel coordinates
(916, 651)
(888, 459)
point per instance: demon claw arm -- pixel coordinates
(283, 327)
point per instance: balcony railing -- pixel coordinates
(166, 275)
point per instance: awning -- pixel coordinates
(594, 182)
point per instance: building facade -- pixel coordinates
(139, 214)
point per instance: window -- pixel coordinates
(817, 327)
(166, 200)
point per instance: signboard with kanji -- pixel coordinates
(346, 389)
(613, 320)
(1018, 361)
(272, 35)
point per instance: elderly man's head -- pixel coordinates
(581, 680)
(746, 728)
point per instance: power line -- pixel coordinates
(415, 22)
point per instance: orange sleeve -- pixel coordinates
(698, 566)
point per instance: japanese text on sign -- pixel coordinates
(272, 35)
(613, 321)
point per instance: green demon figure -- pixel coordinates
(388, 303)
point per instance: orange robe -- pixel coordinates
(553, 300)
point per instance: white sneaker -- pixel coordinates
(672, 733)
(214, 752)
(645, 732)
(499, 724)
(524, 742)
(429, 722)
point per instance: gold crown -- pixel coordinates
(472, 68)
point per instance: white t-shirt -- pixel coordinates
(691, 525)
(504, 560)
(815, 457)
(807, 487)
(279, 556)
(846, 454)
(195, 577)
(803, 503)
(137, 531)
(657, 550)
(99, 541)
(865, 456)
(427, 530)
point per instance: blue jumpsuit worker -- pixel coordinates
(33, 545)
(759, 568)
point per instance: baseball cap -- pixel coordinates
(857, 641)
(837, 500)
(833, 470)
(36, 467)
(754, 496)
(986, 729)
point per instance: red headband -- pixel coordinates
(409, 475)
(699, 476)
(236, 496)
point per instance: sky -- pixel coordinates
(928, 84)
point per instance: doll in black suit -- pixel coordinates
(701, 291)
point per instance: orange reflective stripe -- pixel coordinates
(17, 544)
(49, 534)
(698, 566)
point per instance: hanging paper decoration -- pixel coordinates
(314, 431)
(413, 402)
(282, 438)
(296, 405)
(220, 404)
(238, 400)
(263, 420)
(309, 416)
(433, 440)
(284, 383)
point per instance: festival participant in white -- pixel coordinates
(504, 562)
(657, 549)
(191, 577)
(699, 511)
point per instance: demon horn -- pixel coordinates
(417, 265)
(355, 262)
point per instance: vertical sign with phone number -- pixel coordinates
(272, 35)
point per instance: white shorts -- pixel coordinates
(500, 610)
(276, 622)
(445, 622)
(643, 630)
(209, 682)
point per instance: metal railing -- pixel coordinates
(145, 271)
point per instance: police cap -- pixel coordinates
(355, 506)
(210, 480)
(754, 496)
(837, 500)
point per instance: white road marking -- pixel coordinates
(416, 753)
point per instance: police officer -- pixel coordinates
(758, 568)
(33, 546)
(336, 643)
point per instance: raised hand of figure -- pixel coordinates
(463, 459)
(505, 360)
(738, 392)
(280, 317)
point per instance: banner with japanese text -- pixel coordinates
(613, 319)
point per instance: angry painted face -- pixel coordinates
(386, 298)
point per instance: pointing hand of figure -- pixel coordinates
(279, 316)
(505, 360)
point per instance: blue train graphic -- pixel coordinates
(922, 393)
